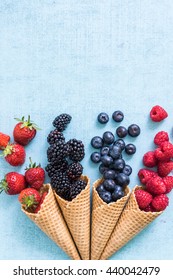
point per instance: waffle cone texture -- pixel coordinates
(131, 222)
(104, 219)
(50, 220)
(77, 216)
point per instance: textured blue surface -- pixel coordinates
(84, 57)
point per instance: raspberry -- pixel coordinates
(156, 186)
(164, 168)
(164, 152)
(160, 137)
(146, 174)
(149, 159)
(143, 198)
(160, 202)
(168, 181)
(158, 114)
(149, 208)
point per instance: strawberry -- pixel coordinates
(29, 198)
(168, 181)
(160, 137)
(160, 202)
(40, 203)
(14, 154)
(35, 175)
(149, 159)
(158, 114)
(146, 174)
(24, 131)
(164, 168)
(143, 198)
(4, 140)
(156, 186)
(13, 183)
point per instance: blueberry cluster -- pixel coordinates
(64, 167)
(116, 173)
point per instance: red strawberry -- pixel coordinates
(164, 152)
(158, 114)
(35, 175)
(168, 181)
(13, 183)
(143, 198)
(156, 185)
(149, 159)
(160, 202)
(164, 168)
(160, 137)
(4, 140)
(24, 131)
(14, 154)
(146, 174)
(29, 198)
(40, 203)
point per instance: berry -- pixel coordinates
(106, 196)
(127, 170)
(13, 183)
(103, 168)
(29, 199)
(164, 168)
(24, 131)
(121, 143)
(158, 114)
(145, 175)
(109, 185)
(104, 150)
(103, 118)
(4, 140)
(57, 152)
(41, 202)
(35, 175)
(168, 181)
(130, 149)
(109, 174)
(53, 168)
(61, 122)
(160, 137)
(117, 193)
(76, 188)
(156, 185)
(164, 152)
(108, 137)
(75, 170)
(97, 142)
(119, 164)
(77, 151)
(61, 184)
(95, 157)
(118, 116)
(115, 151)
(160, 202)
(121, 131)
(134, 130)
(143, 198)
(100, 189)
(55, 136)
(14, 154)
(106, 160)
(122, 179)
(149, 159)
(149, 208)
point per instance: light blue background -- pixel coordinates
(84, 57)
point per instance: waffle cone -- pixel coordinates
(50, 220)
(132, 221)
(77, 216)
(104, 219)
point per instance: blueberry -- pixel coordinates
(108, 137)
(122, 179)
(134, 130)
(117, 194)
(121, 131)
(97, 142)
(106, 196)
(121, 143)
(109, 174)
(127, 170)
(130, 149)
(100, 188)
(118, 188)
(118, 116)
(119, 164)
(95, 157)
(115, 151)
(109, 185)
(103, 168)
(103, 117)
(106, 160)
(104, 150)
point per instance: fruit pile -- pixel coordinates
(64, 167)
(113, 167)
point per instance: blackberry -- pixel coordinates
(52, 169)
(61, 121)
(55, 136)
(57, 151)
(76, 188)
(61, 184)
(75, 170)
(76, 148)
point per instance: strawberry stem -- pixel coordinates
(28, 123)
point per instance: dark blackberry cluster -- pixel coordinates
(64, 168)
(62, 121)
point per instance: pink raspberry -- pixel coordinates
(143, 198)
(168, 181)
(160, 137)
(160, 202)
(149, 208)
(149, 159)
(164, 152)
(145, 175)
(164, 168)
(156, 186)
(158, 114)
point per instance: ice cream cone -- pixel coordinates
(132, 221)
(104, 219)
(77, 216)
(50, 220)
